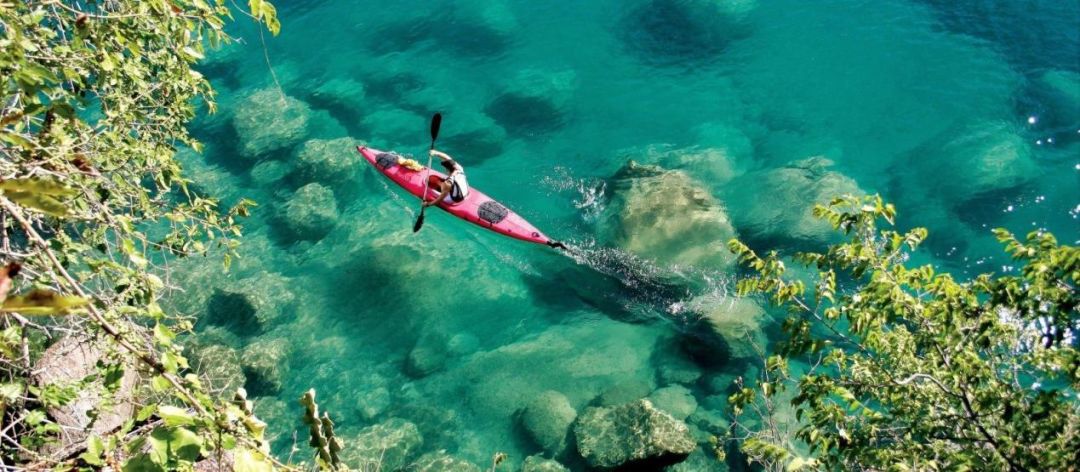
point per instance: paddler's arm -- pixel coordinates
(441, 155)
(443, 190)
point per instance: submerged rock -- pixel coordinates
(676, 400)
(427, 356)
(339, 92)
(373, 402)
(974, 161)
(269, 173)
(539, 464)
(624, 392)
(252, 304)
(267, 121)
(547, 420)
(311, 212)
(264, 365)
(442, 462)
(677, 32)
(568, 358)
(666, 216)
(219, 366)
(395, 127)
(1060, 90)
(634, 436)
(737, 321)
(713, 166)
(781, 204)
(712, 422)
(535, 101)
(328, 161)
(389, 446)
(678, 370)
(475, 134)
(208, 180)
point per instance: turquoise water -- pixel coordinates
(965, 114)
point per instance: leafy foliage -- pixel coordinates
(910, 369)
(93, 203)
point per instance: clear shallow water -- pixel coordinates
(904, 97)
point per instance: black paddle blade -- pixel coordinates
(436, 122)
(419, 222)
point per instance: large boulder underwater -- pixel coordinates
(311, 212)
(267, 121)
(971, 162)
(330, 162)
(391, 445)
(778, 209)
(633, 436)
(534, 102)
(735, 323)
(684, 32)
(547, 419)
(666, 216)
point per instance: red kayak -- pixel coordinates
(477, 208)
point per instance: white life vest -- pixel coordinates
(459, 189)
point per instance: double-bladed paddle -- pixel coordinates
(436, 122)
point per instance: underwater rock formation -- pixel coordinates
(475, 134)
(264, 366)
(737, 321)
(623, 392)
(327, 161)
(219, 365)
(394, 127)
(390, 446)
(427, 356)
(269, 174)
(570, 358)
(208, 180)
(442, 462)
(714, 167)
(251, 304)
(311, 212)
(973, 161)
(681, 32)
(634, 436)
(266, 121)
(547, 420)
(1060, 91)
(779, 208)
(666, 216)
(539, 464)
(678, 370)
(534, 102)
(675, 400)
(339, 93)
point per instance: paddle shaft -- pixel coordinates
(436, 123)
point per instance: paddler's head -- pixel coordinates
(449, 164)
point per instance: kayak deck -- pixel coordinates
(477, 208)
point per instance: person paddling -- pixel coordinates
(454, 188)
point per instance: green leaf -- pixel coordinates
(141, 463)
(163, 334)
(145, 412)
(800, 463)
(38, 186)
(175, 416)
(246, 460)
(95, 447)
(43, 302)
(175, 444)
